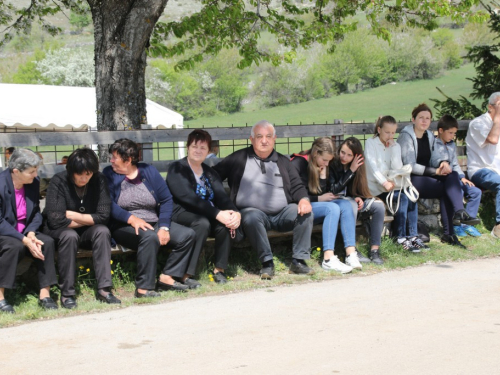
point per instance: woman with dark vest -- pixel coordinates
(20, 220)
(76, 214)
(201, 203)
(141, 213)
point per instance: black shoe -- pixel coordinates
(267, 273)
(68, 302)
(300, 269)
(220, 278)
(462, 217)
(375, 257)
(6, 307)
(48, 303)
(419, 244)
(148, 294)
(109, 299)
(362, 258)
(407, 245)
(452, 240)
(176, 286)
(192, 283)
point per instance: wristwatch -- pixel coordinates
(165, 228)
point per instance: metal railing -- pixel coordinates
(167, 144)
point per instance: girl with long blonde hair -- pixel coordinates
(312, 166)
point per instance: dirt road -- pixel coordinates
(435, 319)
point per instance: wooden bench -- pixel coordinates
(119, 249)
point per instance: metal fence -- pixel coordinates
(168, 144)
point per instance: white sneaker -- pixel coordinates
(353, 261)
(336, 265)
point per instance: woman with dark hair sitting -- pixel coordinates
(141, 213)
(20, 219)
(201, 203)
(348, 179)
(76, 213)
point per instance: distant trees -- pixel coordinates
(214, 86)
(58, 66)
(485, 58)
(126, 31)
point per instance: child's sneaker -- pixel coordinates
(419, 244)
(459, 231)
(471, 231)
(406, 244)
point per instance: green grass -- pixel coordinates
(397, 100)
(243, 269)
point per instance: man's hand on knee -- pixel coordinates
(304, 207)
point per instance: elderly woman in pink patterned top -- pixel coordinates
(20, 220)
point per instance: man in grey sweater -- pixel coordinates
(269, 193)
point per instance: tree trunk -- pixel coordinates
(122, 29)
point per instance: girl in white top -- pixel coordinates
(382, 155)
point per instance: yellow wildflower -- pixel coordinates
(112, 272)
(318, 248)
(81, 267)
(88, 269)
(110, 262)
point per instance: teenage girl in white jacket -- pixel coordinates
(382, 155)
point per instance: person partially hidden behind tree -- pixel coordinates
(269, 193)
(483, 153)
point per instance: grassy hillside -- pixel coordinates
(397, 100)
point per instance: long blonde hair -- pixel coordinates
(320, 146)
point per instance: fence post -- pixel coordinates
(147, 148)
(338, 139)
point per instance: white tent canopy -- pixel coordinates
(63, 108)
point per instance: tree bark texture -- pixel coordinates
(122, 29)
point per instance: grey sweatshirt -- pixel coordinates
(409, 149)
(445, 152)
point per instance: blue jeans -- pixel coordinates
(473, 196)
(489, 180)
(407, 212)
(329, 213)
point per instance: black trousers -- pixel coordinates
(147, 245)
(203, 227)
(449, 192)
(12, 251)
(96, 238)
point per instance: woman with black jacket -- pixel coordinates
(76, 215)
(348, 179)
(201, 203)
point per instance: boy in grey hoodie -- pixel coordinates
(444, 149)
